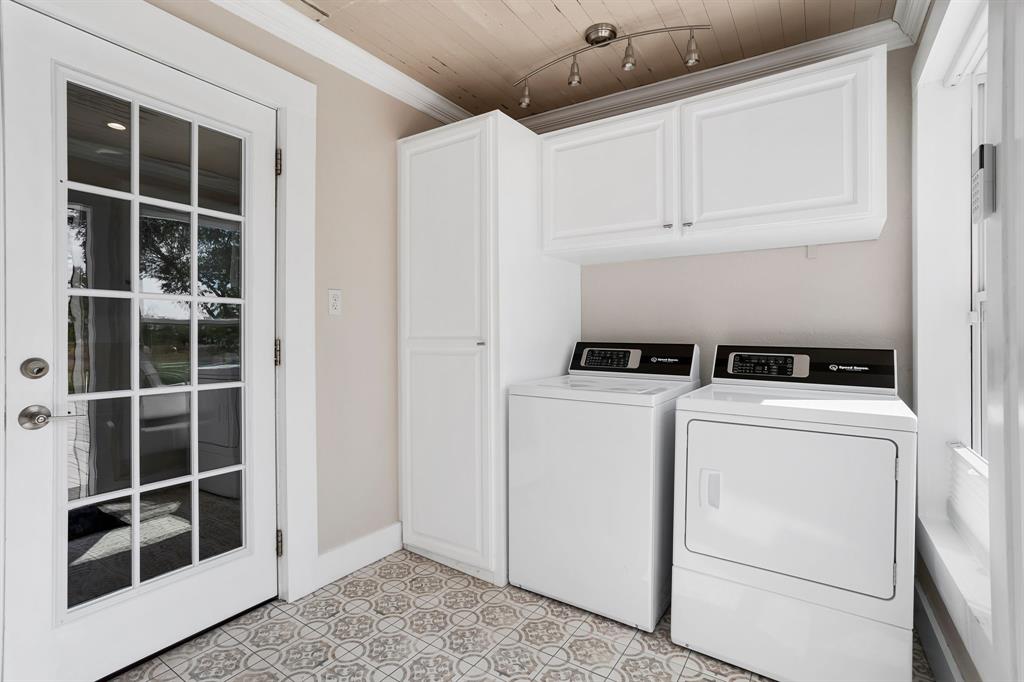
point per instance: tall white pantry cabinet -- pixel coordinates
(480, 308)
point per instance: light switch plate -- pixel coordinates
(334, 301)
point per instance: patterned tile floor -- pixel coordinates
(410, 619)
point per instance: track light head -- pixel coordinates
(524, 101)
(574, 73)
(692, 57)
(628, 58)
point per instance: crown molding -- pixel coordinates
(886, 33)
(290, 25)
(909, 16)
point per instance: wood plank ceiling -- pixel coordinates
(471, 51)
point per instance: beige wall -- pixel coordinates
(855, 294)
(356, 410)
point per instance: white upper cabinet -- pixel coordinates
(611, 182)
(791, 159)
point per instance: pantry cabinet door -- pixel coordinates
(793, 159)
(446, 501)
(445, 456)
(611, 183)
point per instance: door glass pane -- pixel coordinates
(165, 248)
(220, 350)
(220, 171)
(220, 257)
(165, 347)
(99, 242)
(220, 432)
(165, 156)
(164, 436)
(154, 313)
(220, 514)
(99, 139)
(99, 344)
(165, 530)
(99, 447)
(99, 549)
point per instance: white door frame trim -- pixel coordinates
(149, 31)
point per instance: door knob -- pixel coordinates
(37, 416)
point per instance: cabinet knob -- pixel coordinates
(481, 343)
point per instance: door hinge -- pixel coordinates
(278, 164)
(280, 542)
(277, 352)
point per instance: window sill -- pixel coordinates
(963, 583)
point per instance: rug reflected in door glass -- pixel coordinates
(99, 550)
(165, 530)
(220, 514)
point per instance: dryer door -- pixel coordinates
(812, 505)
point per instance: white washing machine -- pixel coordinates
(590, 479)
(794, 515)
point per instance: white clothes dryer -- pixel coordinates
(793, 549)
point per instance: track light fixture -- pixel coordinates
(602, 34)
(628, 58)
(574, 73)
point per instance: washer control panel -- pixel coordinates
(769, 364)
(611, 358)
(843, 369)
(679, 361)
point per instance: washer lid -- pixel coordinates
(807, 405)
(614, 390)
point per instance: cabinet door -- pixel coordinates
(444, 234)
(611, 183)
(792, 159)
(446, 503)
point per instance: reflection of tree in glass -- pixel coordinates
(164, 245)
(219, 260)
(78, 226)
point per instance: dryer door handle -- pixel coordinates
(710, 488)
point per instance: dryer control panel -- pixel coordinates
(672, 361)
(843, 369)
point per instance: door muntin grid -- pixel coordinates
(172, 494)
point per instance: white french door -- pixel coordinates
(139, 303)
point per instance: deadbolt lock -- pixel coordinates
(35, 368)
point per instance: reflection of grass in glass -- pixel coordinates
(166, 346)
(219, 335)
(171, 369)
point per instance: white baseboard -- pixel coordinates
(340, 561)
(936, 649)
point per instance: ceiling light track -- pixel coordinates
(604, 34)
(322, 13)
